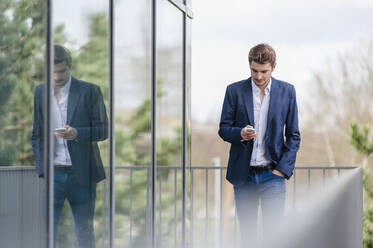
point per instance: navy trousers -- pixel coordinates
(82, 203)
(266, 189)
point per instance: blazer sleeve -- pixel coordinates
(227, 129)
(98, 129)
(292, 138)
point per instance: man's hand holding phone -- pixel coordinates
(248, 133)
(67, 132)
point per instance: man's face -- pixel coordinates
(261, 73)
(61, 74)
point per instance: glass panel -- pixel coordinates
(79, 122)
(169, 125)
(133, 124)
(22, 66)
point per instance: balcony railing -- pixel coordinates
(211, 219)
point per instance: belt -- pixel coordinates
(58, 167)
(261, 168)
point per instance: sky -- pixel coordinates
(305, 34)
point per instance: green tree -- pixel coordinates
(22, 47)
(362, 141)
(91, 61)
(6, 87)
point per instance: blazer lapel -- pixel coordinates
(272, 101)
(73, 100)
(247, 93)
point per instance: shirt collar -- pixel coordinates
(256, 89)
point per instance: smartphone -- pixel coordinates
(60, 129)
(250, 129)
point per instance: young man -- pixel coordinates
(78, 121)
(260, 120)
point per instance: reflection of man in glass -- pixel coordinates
(78, 121)
(260, 120)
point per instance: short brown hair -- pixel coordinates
(262, 53)
(62, 54)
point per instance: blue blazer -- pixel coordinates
(282, 121)
(86, 112)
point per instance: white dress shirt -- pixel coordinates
(59, 118)
(260, 124)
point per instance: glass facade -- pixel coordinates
(133, 102)
(95, 107)
(22, 68)
(81, 164)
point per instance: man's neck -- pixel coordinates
(57, 90)
(262, 87)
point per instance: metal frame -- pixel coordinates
(48, 135)
(111, 129)
(184, 134)
(153, 120)
(182, 7)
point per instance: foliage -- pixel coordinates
(360, 139)
(141, 119)
(368, 185)
(368, 227)
(362, 142)
(6, 88)
(22, 47)
(91, 61)
(368, 210)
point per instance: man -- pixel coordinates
(258, 114)
(78, 121)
